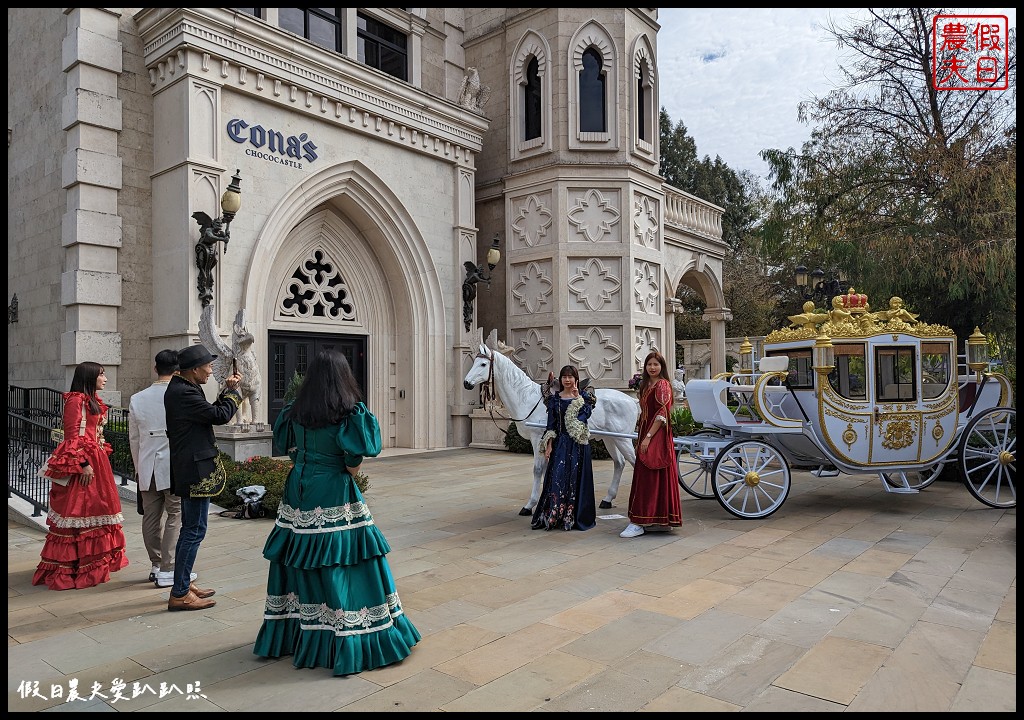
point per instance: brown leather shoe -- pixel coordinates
(201, 593)
(190, 602)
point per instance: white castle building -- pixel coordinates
(381, 152)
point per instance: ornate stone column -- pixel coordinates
(717, 317)
(671, 308)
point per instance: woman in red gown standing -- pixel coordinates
(654, 494)
(85, 542)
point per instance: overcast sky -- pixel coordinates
(734, 77)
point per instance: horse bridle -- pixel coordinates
(488, 395)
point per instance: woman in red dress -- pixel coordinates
(654, 494)
(85, 542)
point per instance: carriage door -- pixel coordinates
(291, 353)
(896, 435)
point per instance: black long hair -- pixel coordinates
(643, 369)
(328, 392)
(84, 381)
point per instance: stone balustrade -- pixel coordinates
(691, 214)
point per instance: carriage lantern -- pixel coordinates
(823, 355)
(977, 351)
(746, 357)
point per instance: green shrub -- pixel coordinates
(271, 473)
(292, 390)
(597, 450)
(683, 423)
(514, 442)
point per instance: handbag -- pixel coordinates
(57, 476)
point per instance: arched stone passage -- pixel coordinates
(383, 256)
(704, 275)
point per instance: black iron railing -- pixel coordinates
(41, 404)
(32, 415)
(28, 446)
(115, 432)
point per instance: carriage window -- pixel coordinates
(848, 379)
(894, 374)
(801, 376)
(936, 359)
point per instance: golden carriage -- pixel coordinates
(857, 392)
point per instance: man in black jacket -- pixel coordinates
(196, 474)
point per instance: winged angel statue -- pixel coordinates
(240, 355)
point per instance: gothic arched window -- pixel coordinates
(532, 101)
(592, 93)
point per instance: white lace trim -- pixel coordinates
(576, 428)
(84, 522)
(549, 435)
(321, 520)
(312, 616)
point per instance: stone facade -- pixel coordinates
(363, 199)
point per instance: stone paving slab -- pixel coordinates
(847, 598)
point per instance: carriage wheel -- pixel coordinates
(917, 480)
(695, 472)
(988, 457)
(751, 479)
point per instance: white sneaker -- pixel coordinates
(166, 579)
(632, 531)
(152, 573)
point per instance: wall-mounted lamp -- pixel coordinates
(475, 274)
(213, 231)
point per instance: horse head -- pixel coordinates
(481, 369)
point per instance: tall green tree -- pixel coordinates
(910, 189)
(746, 284)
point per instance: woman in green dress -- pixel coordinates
(331, 598)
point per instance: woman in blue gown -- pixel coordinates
(567, 499)
(331, 598)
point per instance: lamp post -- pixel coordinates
(819, 288)
(476, 274)
(213, 231)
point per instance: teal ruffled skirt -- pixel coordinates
(331, 598)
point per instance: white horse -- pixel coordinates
(615, 412)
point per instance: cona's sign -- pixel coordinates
(271, 142)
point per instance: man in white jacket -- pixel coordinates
(147, 435)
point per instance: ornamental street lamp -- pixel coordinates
(213, 231)
(475, 274)
(815, 286)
